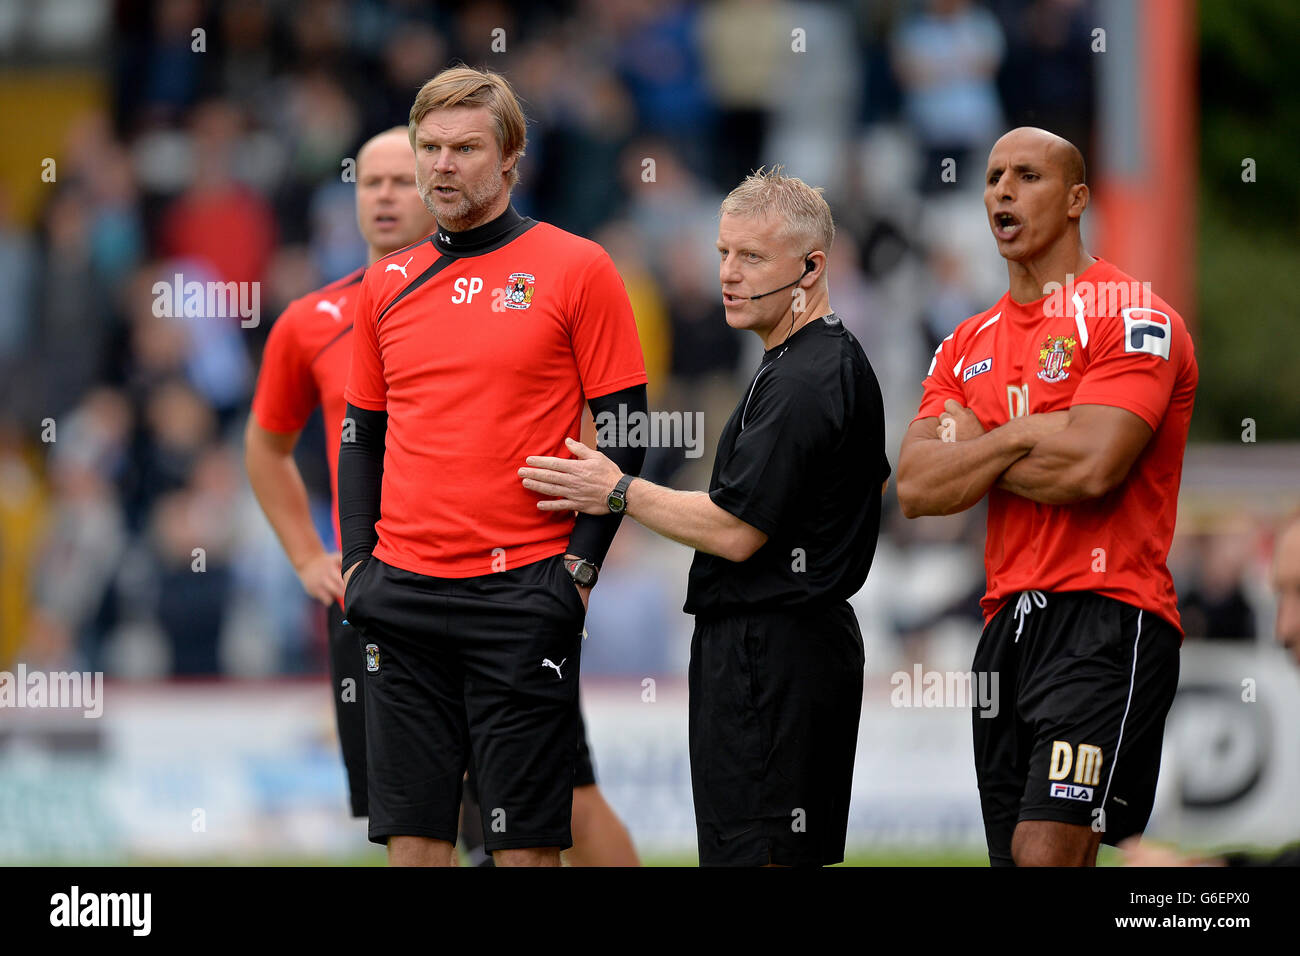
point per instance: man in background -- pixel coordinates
(1286, 585)
(305, 366)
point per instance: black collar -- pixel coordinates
(776, 351)
(479, 238)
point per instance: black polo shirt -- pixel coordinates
(802, 458)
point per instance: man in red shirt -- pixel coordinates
(1068, 404)
(305, 365)
(472, 349)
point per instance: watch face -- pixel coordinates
(616, 503)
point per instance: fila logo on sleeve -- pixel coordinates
(978, 368)
(1147, 330)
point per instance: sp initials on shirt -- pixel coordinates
(465, 288)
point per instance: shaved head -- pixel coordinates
(1059, 152)
(1035, 195)
(390, 212)
(398, 132)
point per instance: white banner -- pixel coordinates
(247, 771)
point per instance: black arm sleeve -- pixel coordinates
(361, 475)
(593, 534)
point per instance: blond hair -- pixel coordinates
(798, 206)
(465, 86)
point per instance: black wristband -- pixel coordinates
(593, 534)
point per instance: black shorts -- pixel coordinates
(347, 683)
(471, 827)
(484, 666)
(584, 769)
(1084, 684)
(775, 699)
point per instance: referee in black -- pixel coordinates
(784, 536)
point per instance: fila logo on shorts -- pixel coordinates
(1068, 791)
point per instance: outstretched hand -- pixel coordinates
(581, 483)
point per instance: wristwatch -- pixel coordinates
(617, 499)
(583, 572)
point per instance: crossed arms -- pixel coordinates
(949, 462)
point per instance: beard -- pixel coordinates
(476, 199)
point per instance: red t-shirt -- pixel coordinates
(482, 358)
(305, 364)
(1102, 345)
(231, 228)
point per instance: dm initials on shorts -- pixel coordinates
(1087, 769)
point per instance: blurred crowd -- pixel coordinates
(129, 540)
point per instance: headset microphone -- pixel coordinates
(808, 266)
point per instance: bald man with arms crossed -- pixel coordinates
(1067, 403)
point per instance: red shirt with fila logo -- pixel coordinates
(305, 364)
(482, 347)
(1101, 341)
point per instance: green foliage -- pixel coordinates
(1250, 107)
(1248, 343)
(1248, 249)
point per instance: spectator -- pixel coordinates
(946, 58)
